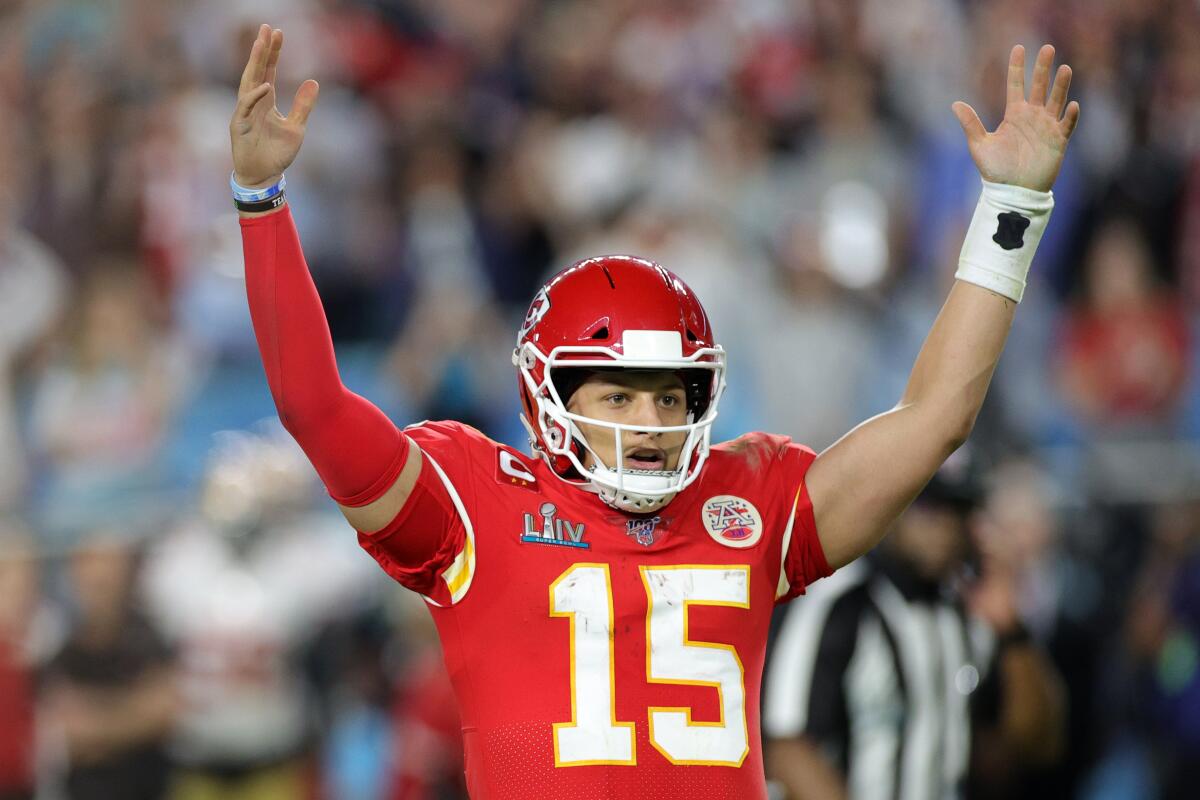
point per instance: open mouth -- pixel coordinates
(646, 458)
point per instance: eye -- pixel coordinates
(670, 400)
(616, 399)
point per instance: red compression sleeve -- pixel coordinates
(356, 449)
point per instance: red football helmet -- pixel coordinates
(616, 312)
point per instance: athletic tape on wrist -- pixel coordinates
(1008, 225)
(244, 195)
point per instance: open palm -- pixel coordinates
(1028, 146)
(265, 142)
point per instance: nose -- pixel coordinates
(646, 412)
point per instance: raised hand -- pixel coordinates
(265, 142)
(1027, 148)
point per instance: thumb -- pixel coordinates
(306, 98)
(969, 120)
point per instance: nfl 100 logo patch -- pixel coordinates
(643, 530)
(732, 521)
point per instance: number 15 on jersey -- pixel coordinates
(583, 594)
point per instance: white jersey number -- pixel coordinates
(594, 736)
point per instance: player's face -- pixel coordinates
(632, 399)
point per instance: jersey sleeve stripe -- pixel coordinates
(784, 586)
(458, 575)
(461, 571)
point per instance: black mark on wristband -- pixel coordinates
(1010, 230)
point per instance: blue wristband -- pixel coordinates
(244, 195)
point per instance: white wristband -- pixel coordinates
(244, 195)
(1008, 224)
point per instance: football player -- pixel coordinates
(603, 603)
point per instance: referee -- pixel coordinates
(879, 677)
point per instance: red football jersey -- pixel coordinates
(598, 654)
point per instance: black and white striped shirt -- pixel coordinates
(879, 670)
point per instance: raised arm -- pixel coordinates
(364, 460)
(864, 480)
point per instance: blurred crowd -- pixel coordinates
(180, 610)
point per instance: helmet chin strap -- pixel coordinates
(629, 499)
(642, 490)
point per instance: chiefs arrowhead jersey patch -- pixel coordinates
(732, 521)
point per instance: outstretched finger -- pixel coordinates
(250, 76)
(1070, 119)
(1041, 75)
(302, 105)
(248, 100)
(273, 48)
(1058, 93)
(969, 120)
(1016, 75)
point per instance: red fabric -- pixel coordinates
(354, 447)
(509, 654)
(429, 734)
(424, 538)
(1131, 364)
(16, 723)
(804, 562)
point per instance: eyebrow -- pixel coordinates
(665, 385)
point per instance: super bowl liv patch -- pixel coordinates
(732, 521)
(546, 529)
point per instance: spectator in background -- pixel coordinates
(18, 601)
(850, 182)
(1156, 685)
(110, 691)
(446, 354)
(353, 663)
(1037, 575)
(240, 587)
(821, 323)
(1125, 349)
(879, 682)
(32, 294)
(71, 158)
(838, 243)
(1189, 259)
(103, 404)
